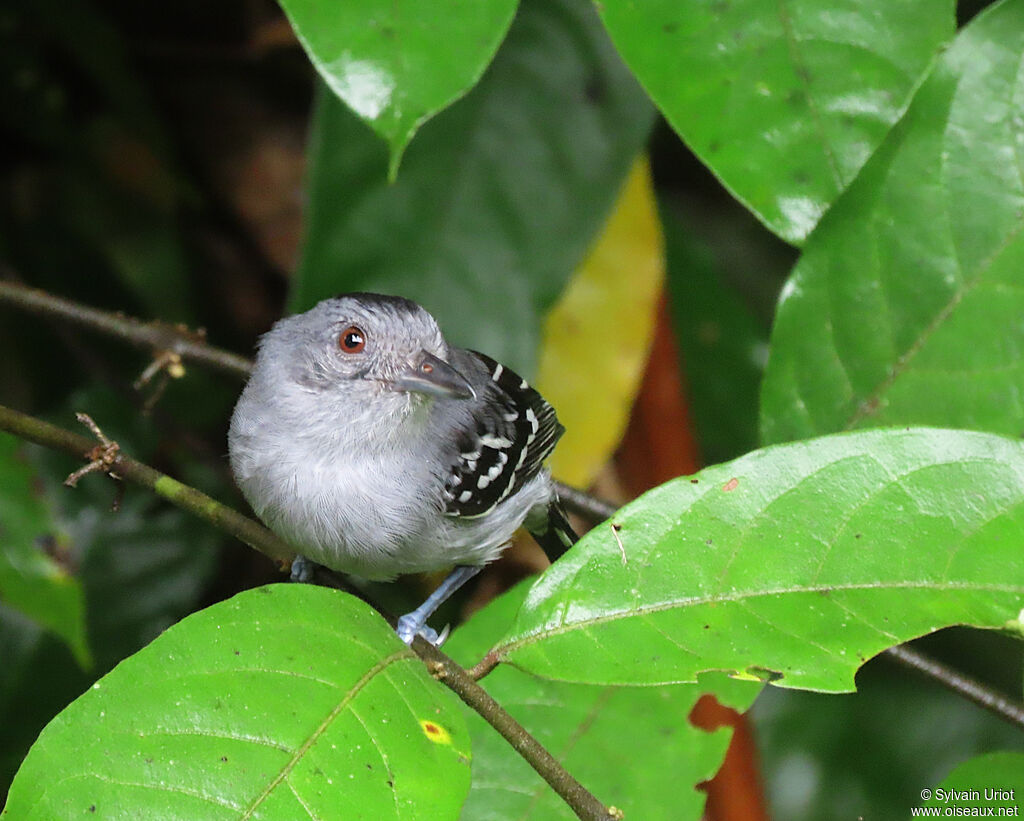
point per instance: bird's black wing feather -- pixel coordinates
(515, 430)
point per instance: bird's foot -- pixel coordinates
(409, 626)
(303, 570)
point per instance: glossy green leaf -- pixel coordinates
(397, 64)
(284, 702)
(622, 743)
(784, 101)
(993, 781)
(795, 563)
(499, 197)
(31, 581)
(906, 306)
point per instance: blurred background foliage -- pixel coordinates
(185, 162)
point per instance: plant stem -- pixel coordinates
(583, 504)
(584, 804)
(962, 685)
(154, 336)
(185, 497)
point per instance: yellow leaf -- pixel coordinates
(598, 336)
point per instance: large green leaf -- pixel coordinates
(623, 743)
(906, 306)
(31, 582)
(499, 197)
(283, 702)
(783, 99)
(397, 64)
(796, 563)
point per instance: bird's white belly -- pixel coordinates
(354, 517)
(343, 515)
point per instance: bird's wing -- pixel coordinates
(514, 431)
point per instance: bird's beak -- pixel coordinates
(430, 375)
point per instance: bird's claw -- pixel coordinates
(409, 627)
(302, 570)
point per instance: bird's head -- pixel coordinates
(369, 343)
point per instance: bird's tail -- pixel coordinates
(557, 535)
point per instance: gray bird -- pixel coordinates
(375, 448)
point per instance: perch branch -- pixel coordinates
(112, 461)
(583, 803)
(160, 337)
(187, 498)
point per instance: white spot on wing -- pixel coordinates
(531, 417)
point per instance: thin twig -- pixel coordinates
(160, 337)
(484, 666)
(583, 803)
(969, 688)
(583, 504)
(255, 535)
(185, 497)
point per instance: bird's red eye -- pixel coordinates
(352, 340)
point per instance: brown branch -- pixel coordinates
(108, 458)
(484, 666)
(962, 685)
(161, 337)
(187, 498)
(157, 337)
(583, 803)
(583, 504)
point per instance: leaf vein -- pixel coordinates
(315, 735)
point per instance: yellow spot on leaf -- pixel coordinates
(435, 732)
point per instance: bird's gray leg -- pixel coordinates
(302, 569)
(415, 623)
